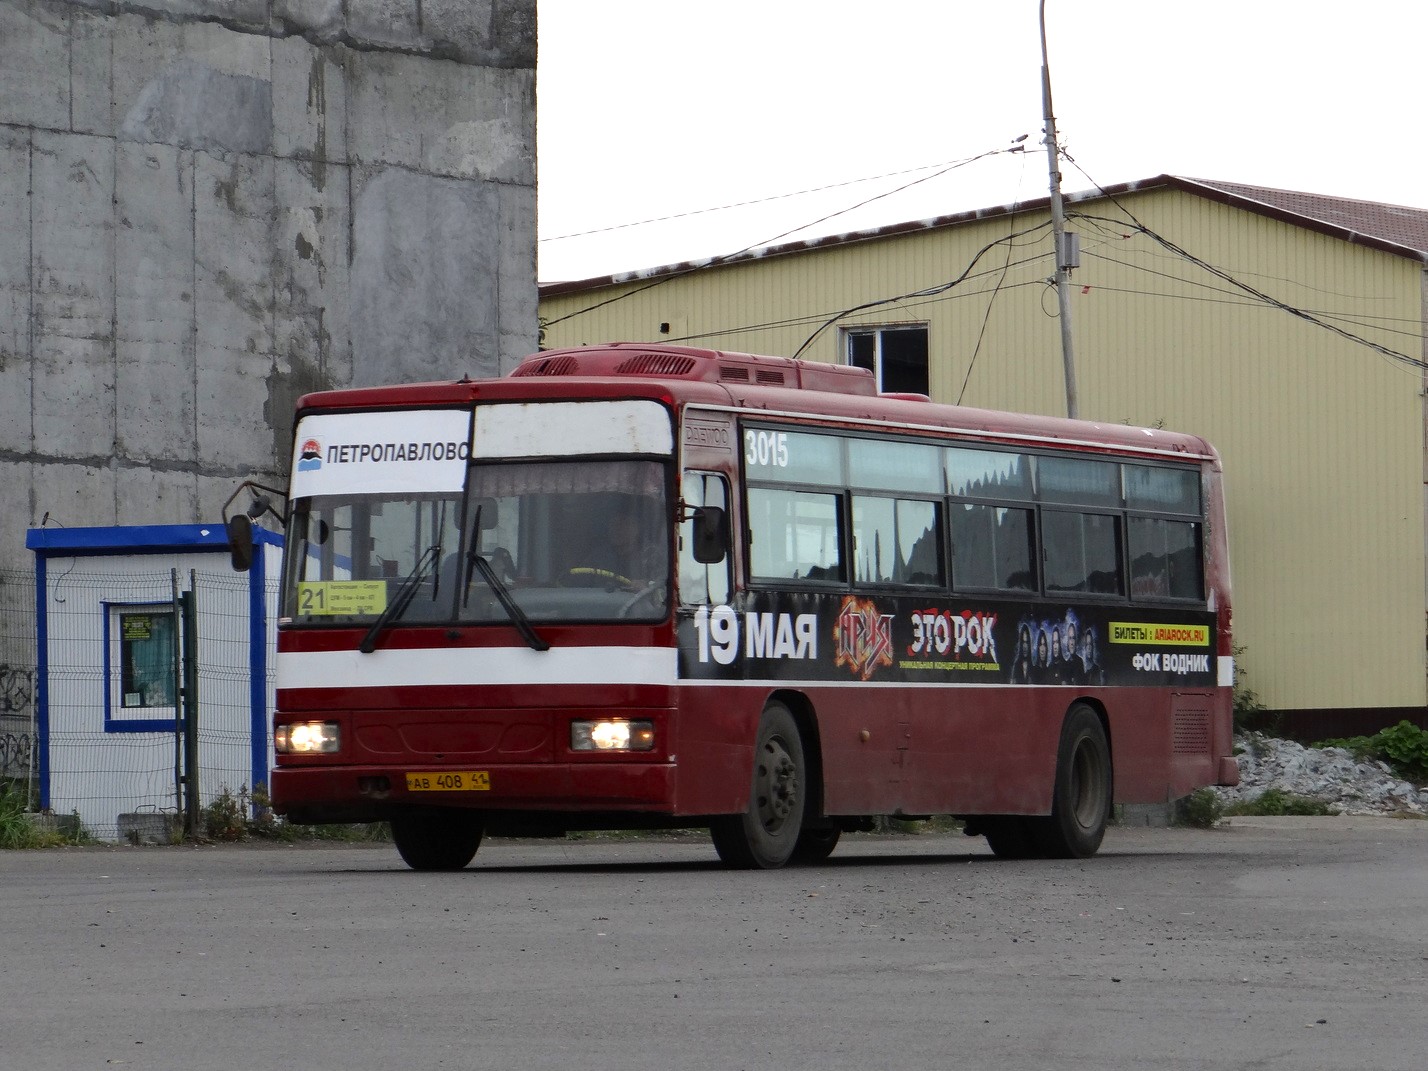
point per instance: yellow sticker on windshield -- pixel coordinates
(346, 598)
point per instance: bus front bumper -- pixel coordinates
(372, 793)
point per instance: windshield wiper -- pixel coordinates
(477, 561)
(399, 604)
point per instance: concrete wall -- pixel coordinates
(210, 207)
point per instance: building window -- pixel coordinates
(142, 662)
(897, 356)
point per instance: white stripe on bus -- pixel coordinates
(468, 666)
(476, 666)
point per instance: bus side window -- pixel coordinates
(794, 535)
(701, 583)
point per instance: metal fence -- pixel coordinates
(97, 745)
(17, 678)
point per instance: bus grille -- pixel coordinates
(1191, 732)
(656, 364)
(553, 366)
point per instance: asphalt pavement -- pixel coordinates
(1295, 943)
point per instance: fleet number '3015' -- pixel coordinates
(459, 781)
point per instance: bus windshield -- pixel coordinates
(564, 540)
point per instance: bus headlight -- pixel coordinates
(307, 738)
(613, 734)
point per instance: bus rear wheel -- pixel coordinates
(1081, 799)
(815, 845)
(437, 840)
(765, 835)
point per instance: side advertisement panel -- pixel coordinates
(782, 636)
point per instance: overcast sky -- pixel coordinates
(655, 108)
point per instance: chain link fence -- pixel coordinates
(95, 722)
(18, 665)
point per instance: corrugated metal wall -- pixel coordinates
(1322, 437)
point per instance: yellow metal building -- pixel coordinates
(1287, 328)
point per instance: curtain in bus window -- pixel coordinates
(1165, 559)
(1078, 481)
(556, 516)
(569, 477)
(1082, 552)
(991, 547)
(988, 474)
(895, 541)
(793, 535)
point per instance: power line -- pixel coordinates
(714, 262)
(1120, 234)
(1386, 324)
(1270, 300)
(1002, 278)
(925, 292)
(812, 318)
(1221, 273)
(946, 165)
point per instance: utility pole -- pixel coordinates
(1063, 243)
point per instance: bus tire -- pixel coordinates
(437, 840)
(815, 845)
(1011, 836)
(765, 835)
(1081, 798)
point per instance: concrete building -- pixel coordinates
(210, 207)
(1288, 328)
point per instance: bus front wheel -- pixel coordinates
(437, 840)
(765, 835)
(815, 845)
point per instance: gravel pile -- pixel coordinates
(1331, 775)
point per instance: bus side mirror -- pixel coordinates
(240, 541)
(711, 534)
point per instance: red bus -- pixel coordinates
(635, 586)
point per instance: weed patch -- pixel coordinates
(243, 815)
(1201, 809)
(21, 826)
(1404, 747)
(1274, 802)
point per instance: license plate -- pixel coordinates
(454, 781)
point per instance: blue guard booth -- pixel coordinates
(114, 655)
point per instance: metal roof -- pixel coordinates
(1395, 229)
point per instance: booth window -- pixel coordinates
(141, 666)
